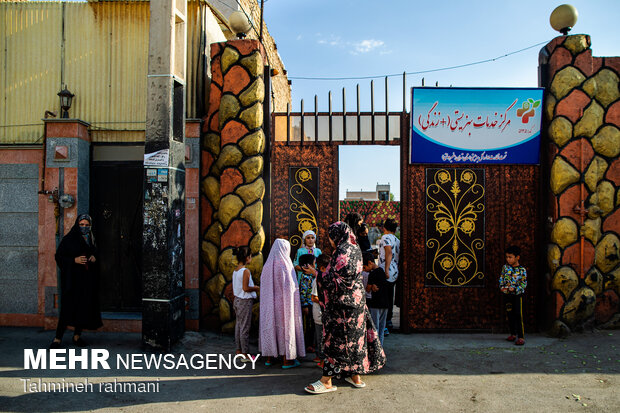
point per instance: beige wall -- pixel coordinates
(102, 60)
(280, 87)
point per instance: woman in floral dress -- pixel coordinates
(351, 343)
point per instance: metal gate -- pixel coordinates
(449, 270)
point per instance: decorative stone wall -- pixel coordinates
(582, 120)
(232, 186)
(378, 211)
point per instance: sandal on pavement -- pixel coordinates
(511, 338)
(290, 366)
(359, 385)
(318, 387)
(520, 342)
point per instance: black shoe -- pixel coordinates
(80, 343)
(55, 345)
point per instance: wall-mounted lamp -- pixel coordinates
(239, 23)
(66, 98)
(563, 18)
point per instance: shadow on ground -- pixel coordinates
(414, 361)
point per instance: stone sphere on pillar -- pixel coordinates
(239, 23)
(563, 18)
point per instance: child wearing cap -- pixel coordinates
(304, 277)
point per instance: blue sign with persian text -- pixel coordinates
(476, 125)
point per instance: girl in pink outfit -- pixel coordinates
(280, 327)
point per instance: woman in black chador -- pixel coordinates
(79, 282)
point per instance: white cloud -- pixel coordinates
(331, 41)
(355, 48)
(366, 46)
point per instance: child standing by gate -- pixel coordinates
(512, 283)
(245, 293)
(305, 285)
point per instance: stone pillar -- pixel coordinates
(67, 172)
(582, 115)
(234, 188)
(163, 293)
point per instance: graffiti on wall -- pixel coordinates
(454, 227)
(303, 202)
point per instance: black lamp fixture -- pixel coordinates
(65, 101)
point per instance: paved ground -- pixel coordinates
(425, 373)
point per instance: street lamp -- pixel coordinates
(239, 23)
(563, 18)
(65, 101)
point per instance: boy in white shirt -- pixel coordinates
(389, 251)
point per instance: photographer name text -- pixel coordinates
(85, 386)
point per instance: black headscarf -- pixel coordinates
(79, 283)
(353, 221)
(88, 236)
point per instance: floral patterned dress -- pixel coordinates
(351, 343)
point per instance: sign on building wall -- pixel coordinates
(476, 126)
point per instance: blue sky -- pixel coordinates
(375, 38)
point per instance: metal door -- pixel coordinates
(116, 208)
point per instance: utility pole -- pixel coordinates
(163, 240)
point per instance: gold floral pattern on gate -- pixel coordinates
(455, 211)
(303, 204)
